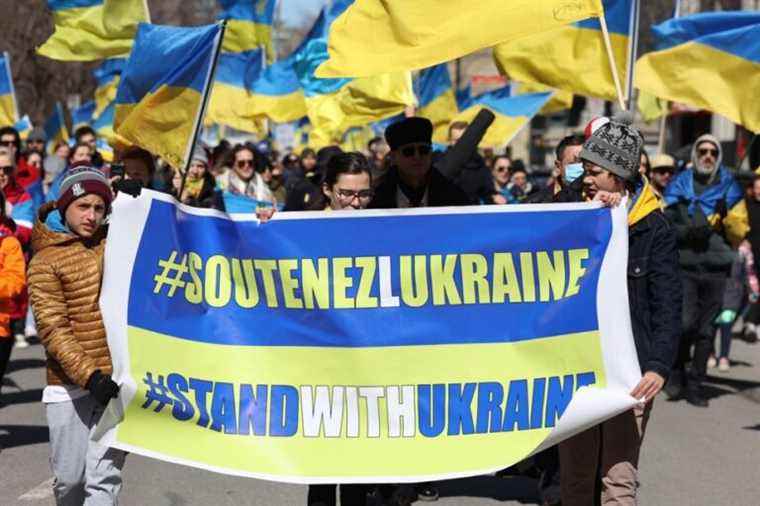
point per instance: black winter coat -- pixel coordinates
(654, 292)
(441, 192)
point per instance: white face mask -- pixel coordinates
(573, 171)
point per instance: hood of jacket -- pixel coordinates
(644, 202)
(712, 140)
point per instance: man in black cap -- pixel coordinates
(412, 180)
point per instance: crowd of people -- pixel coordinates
(693, 235)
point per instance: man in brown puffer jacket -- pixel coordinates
(64, 284)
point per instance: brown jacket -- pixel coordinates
(64, 287)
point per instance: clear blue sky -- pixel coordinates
(299, 12)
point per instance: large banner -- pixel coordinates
(371, 346)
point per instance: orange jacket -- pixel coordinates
(12, 280)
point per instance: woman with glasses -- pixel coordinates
(243, 188)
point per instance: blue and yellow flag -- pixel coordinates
(245, 92)
(249, 25)
(107, 77)
(88, 30)
(103, 124)
(681, 189)
(437, 100)
(709, 60)
(335, 105)
(55, 126)
(24, 127)
(572, 58)
(464, 97)
(512, 113)
(401, 35)
(8, 107)
(561, 100)
(83, 115)
(163, 87)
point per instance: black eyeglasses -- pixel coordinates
(421, 149)
(7, 143)
(703, 152)
(243, 163)
(7, 170)
(350, 195)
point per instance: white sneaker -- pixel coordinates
(21, 341)
(724, 365)
(711, 362)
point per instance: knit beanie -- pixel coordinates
(615, 146)
(81, 181)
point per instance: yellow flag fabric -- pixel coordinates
(407, 35)
(572, 58)
(358, 103)
(88, 30)
(650, 106)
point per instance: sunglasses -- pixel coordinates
(703, 152)
(421, 149)
(350, 195)
(7, 170)
(244, 163)
(663, 170)
(501, 169)
(7, 143)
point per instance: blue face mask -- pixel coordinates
(573, 171)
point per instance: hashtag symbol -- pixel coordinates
(165, 278)
(157, 392)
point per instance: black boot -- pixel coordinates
(674, 386)
(694, 396)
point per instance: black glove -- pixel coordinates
(721, 208)
(699, 237)
(102, 387)
(128, 186)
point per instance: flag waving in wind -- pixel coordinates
(335, 105)
(55, 126)
(438, 102)
(88, 30)
(407, 35)
(512, 113)
(572, 58)
(709, 60)
(162, 91)
(249, 25)
(8, 107)
(107, 77)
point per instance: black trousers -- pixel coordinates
(702, 302)
(6, 345)
(325, 495)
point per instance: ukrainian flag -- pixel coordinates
(8, 107)
(437, 100)
(249, 25)
(560, 101)
(88, 30)
(464, 97)
(572, 58)
(107, 77)
(335, 105)
(245, 92)
(105, 150)
(709, 60)
(401, 35)
(161, 95)
(24, 127)
(103, 124)
(512, 113)
(55, 126)
(83, 114)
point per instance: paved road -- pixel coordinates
(695, 457)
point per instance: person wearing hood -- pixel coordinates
(65, 275)
(200, 187)
(610, 158)
(697, 202)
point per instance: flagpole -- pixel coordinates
(202, 112)
(633, 51)
(613, 66)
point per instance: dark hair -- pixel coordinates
(647, 164)
(373, 140)
(76, 146)
(458, 125)
(570, 140)
(308, 152)
(16, 137)
(501, 157)
(346, 163)
(83, 130)
(136, 153)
